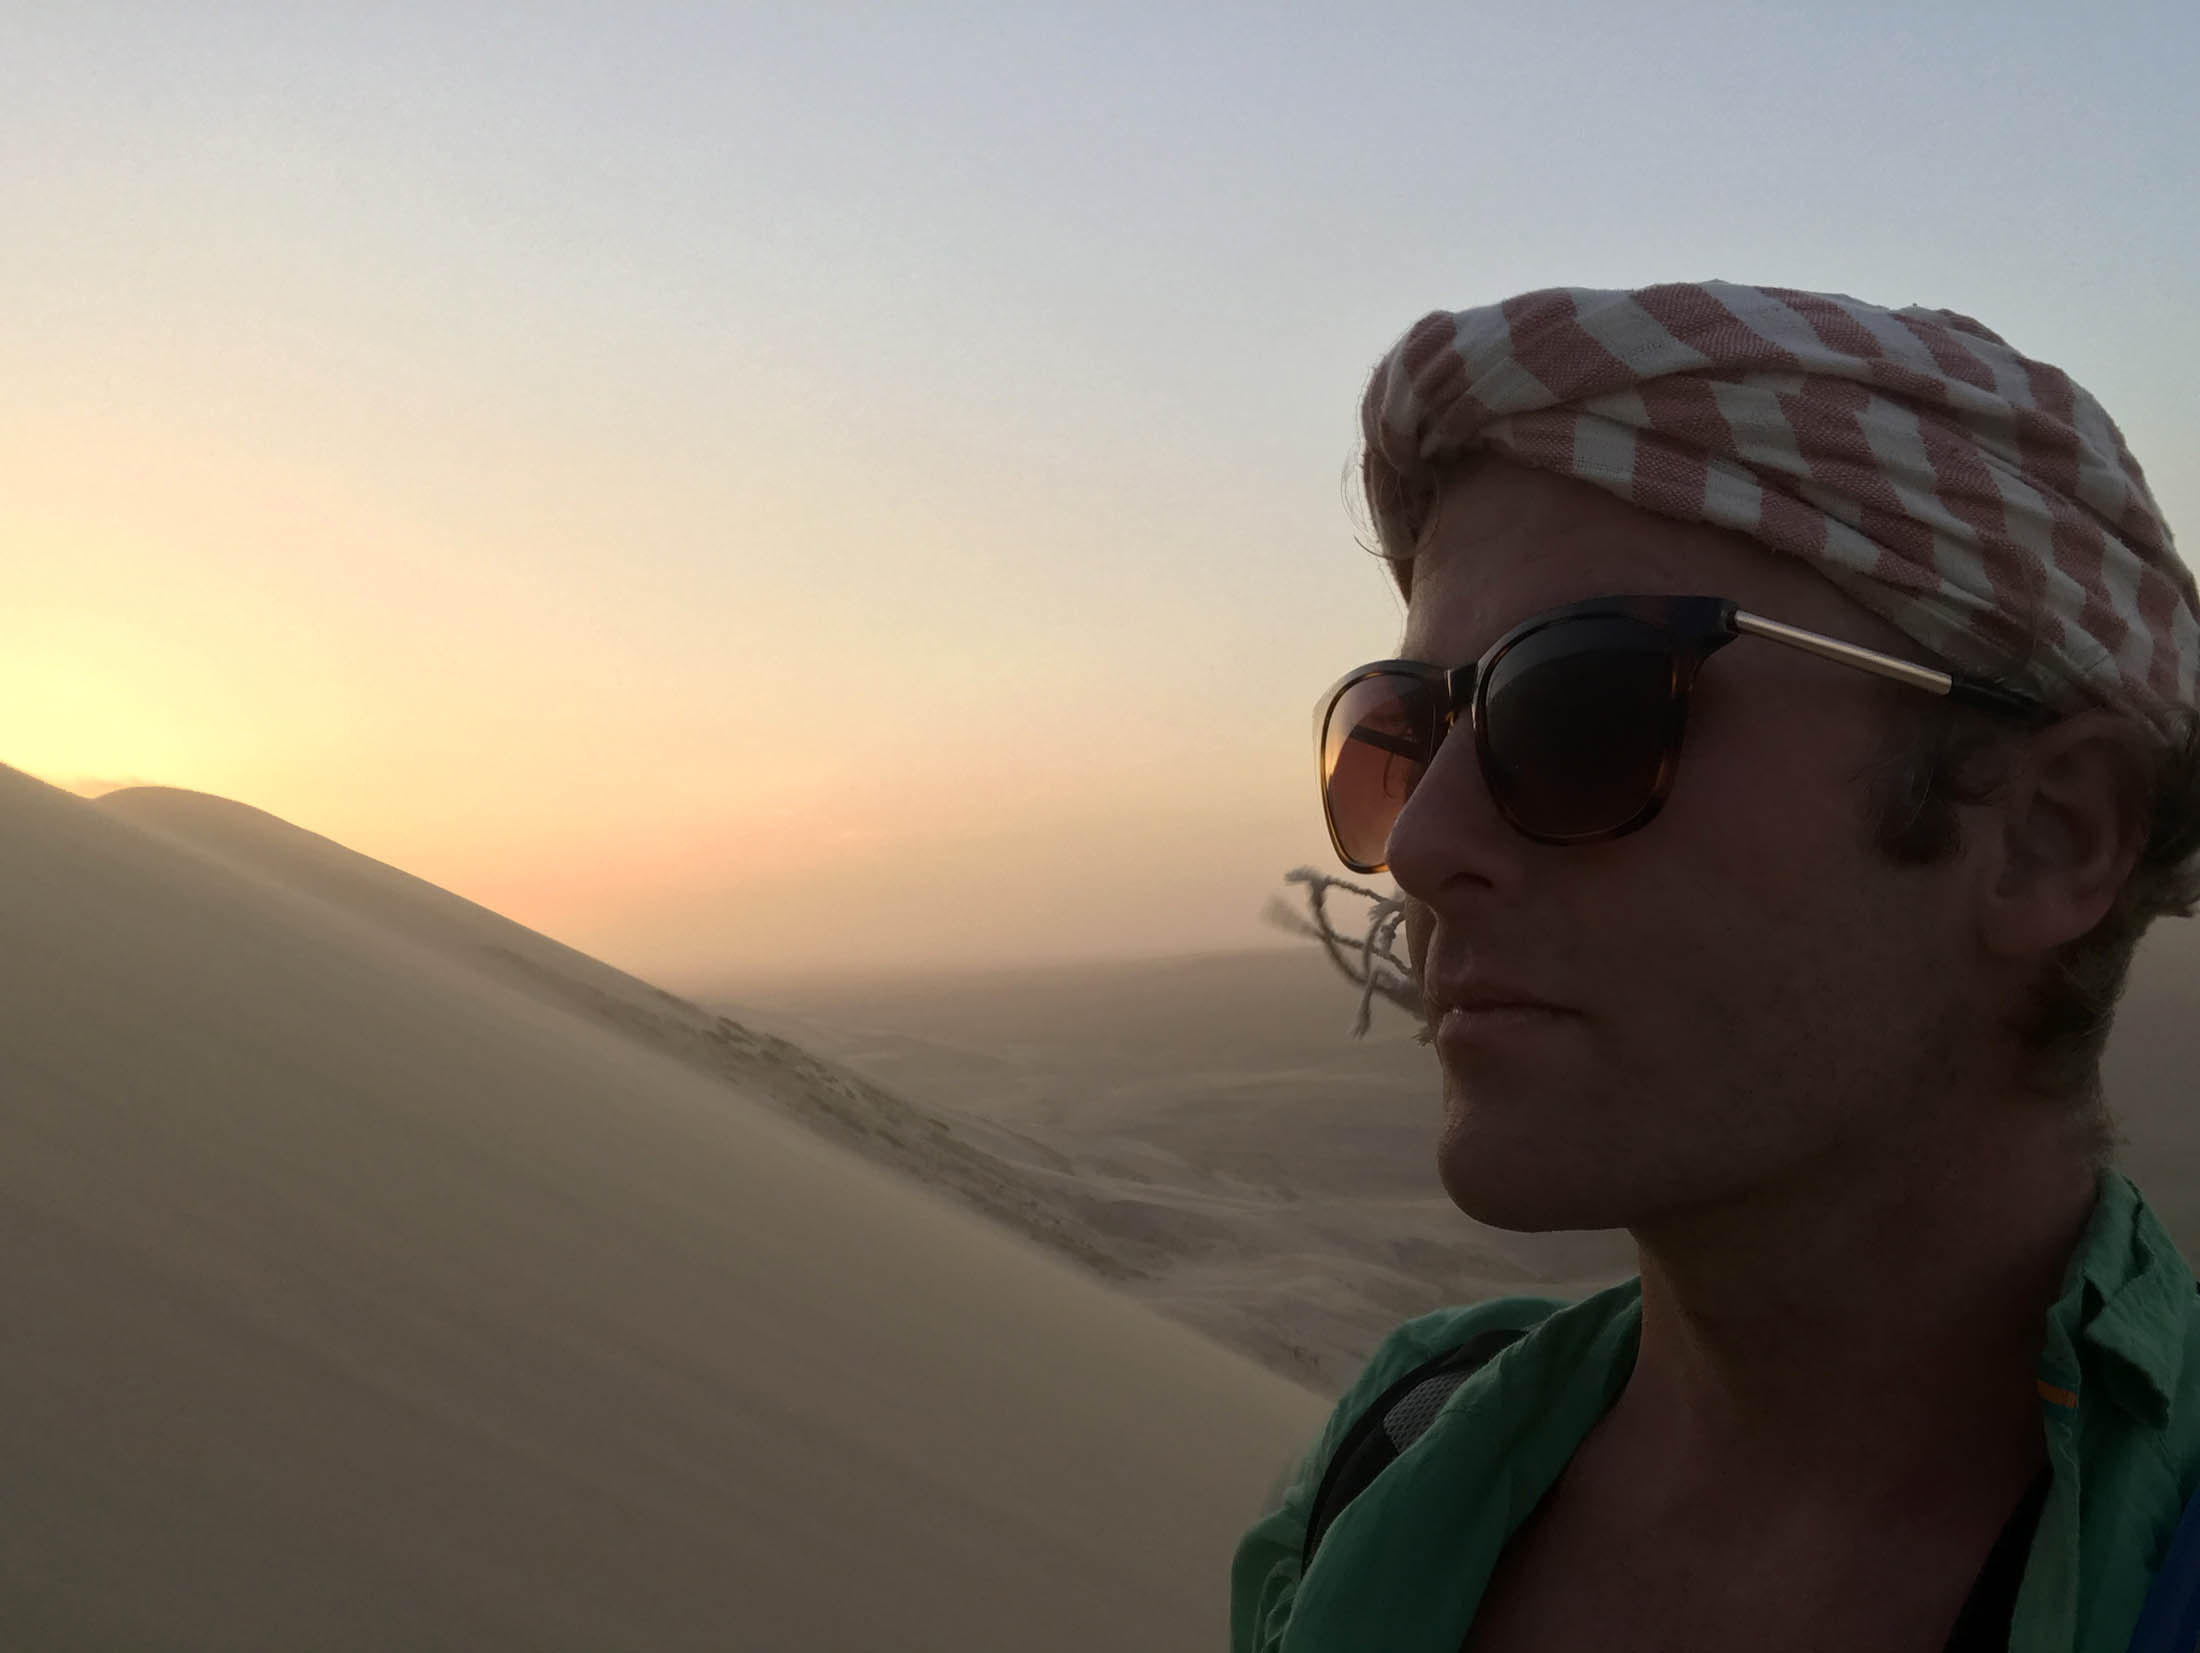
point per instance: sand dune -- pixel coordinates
(371, 1282)
(315, 875)
(385, 1273)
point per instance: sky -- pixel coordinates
(782, 490)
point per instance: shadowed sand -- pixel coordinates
(380, 1273)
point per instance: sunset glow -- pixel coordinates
(787, 491)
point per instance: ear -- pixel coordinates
(2064, 835)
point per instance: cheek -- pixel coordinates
(1778, 805)
(1767, 920)
(1744, 885)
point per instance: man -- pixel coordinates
(1813, 1010)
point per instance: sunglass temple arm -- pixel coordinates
(1886, 665)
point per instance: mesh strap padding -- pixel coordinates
(1400, 1416)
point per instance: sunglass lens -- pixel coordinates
(1380, 735)
(1579, 721)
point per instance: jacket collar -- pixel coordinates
(2125, 1308)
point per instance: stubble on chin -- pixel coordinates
(1502, 1164)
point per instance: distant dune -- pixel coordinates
(1285, 1170)
(382, 1274)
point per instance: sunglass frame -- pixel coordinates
(1697, 627)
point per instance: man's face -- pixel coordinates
(1752, 994)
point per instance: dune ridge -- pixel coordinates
(365, 1291)
(918, 1142)
(1200, 1132)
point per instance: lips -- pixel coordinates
(1474, 994)
(1473, 1016)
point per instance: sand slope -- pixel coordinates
(317, 877)
(1270, 1179)
(359, 1293)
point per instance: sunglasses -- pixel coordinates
(1577, 718)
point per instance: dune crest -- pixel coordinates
(366, 1289)
(919, 1142)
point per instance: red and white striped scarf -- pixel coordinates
(1977, 499)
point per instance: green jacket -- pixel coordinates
(1405, 1565)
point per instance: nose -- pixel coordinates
(1450, 835)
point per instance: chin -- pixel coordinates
(1530, 1181)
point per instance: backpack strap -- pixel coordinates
(2170, 1620)
(1399, 1416)
(2168, 1623)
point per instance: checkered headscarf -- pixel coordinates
(1977, 499)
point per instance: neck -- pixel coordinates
(1861, 1333)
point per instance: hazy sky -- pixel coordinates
(746, 489)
